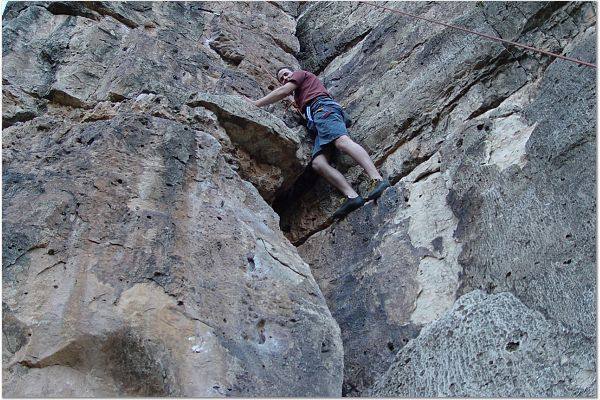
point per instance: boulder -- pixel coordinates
(263, 136)
(137, 262)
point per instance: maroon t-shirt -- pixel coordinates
(309, 87)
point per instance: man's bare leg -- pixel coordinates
(359, 154)
(332, 175)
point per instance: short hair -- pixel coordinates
(277, 73)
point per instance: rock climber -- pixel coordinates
(328, 119)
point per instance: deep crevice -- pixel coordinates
(103, 10)
(22, 116)
(74, 9)
(307, 181)
(426, 174)
(339, 52)
(494, 104)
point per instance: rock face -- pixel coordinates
(489, 149)
(97, 51)
(411, 94)
(388, 269)
(142, 259)
(270, 143)
(136, 261)
(513, 352)
(150, 213)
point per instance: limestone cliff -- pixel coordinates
(136, 258)
(163, 237)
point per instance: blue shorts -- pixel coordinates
(328, 120)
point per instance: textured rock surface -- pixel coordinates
(141, 255)
(97, 51)
(411, 95)
(490, 151)
(492, 346)
(388, 269)
(269, 142)
(322, 37)
(542, 204)
(136, 261)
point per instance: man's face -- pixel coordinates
(284, 76)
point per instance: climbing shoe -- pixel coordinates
(348, 206)
(376, 188)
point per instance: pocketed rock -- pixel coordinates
(141, 260)
(408, 84)
(141, 256)
(526, 221)
(88, 52)
(491, 346)
(136, 261)
(488, 149)
(396, 263)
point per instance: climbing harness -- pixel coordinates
(310, 122)
(482, 35)
(309, 114)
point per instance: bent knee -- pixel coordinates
(343, 142)
(319, 164)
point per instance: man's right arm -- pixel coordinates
(276, 95)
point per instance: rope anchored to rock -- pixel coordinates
(587, 64)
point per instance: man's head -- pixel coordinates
(284, 74)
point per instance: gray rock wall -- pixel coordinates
(492, 346)
(136, 260)
(489, 148)
(150, 212)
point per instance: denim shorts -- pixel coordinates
(328, 123)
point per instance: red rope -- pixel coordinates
(484, 35)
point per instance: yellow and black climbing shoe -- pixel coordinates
(349, 205)
(376, 188)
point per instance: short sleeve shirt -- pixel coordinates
(309, 87)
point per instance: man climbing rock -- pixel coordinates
(328, 119)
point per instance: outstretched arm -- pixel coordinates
(278, 94)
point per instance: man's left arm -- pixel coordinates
(276, 95)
